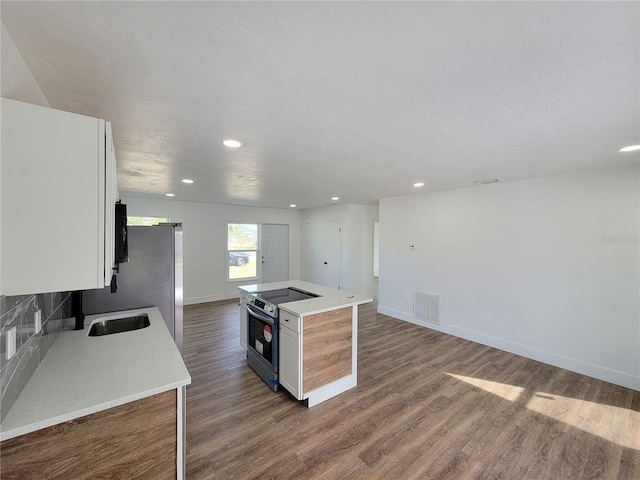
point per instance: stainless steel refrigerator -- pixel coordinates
(151, 278)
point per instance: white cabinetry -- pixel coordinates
(58, 190)
(111, 197)
(243, 319)
(318, 353)
(289, 364)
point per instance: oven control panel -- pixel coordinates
(266, 307)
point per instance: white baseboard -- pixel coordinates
(210, 298)
(330, 390)
(596, 371)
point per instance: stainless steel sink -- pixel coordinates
(119, 325)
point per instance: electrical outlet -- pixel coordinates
(37, 320)
(11, 342)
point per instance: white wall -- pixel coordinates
(547, 268)
(17, 82)
(356, 273)
(205, 235)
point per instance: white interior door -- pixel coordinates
(275, 253)
(376, 249)
(332, 254)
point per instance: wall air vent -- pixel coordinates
(426, 306)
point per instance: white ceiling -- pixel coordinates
(349, 99)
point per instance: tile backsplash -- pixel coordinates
(19, 311)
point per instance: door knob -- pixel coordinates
(325, 263)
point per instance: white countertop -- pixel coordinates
(81, 375)
(329, 298)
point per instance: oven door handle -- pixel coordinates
(257, 313)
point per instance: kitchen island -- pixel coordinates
(318, 339)
(111, 403)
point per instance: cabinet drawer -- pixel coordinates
(290, 321)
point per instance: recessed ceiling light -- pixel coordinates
(169, 195)
(187, 180)
(630, 148)
(293, 205)
(231, 143)
(335, 199)
(419, 184)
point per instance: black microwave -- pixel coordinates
(121, 241)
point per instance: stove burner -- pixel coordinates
(284, 295)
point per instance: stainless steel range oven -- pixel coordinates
(263, 330)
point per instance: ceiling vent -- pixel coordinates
(426, 306)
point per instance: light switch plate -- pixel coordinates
(11, 342)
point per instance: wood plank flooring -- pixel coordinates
(427, 406)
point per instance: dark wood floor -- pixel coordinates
(427, 406)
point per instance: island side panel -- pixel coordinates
(134, 440)
(327, 347)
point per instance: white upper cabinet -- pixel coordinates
(111, 197)
(58, 191)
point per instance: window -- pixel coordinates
(242, 250)
(146, 221)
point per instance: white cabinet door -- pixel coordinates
(52, 200)
(289, 367)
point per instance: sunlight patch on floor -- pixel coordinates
(615, 424)
(508, 392)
